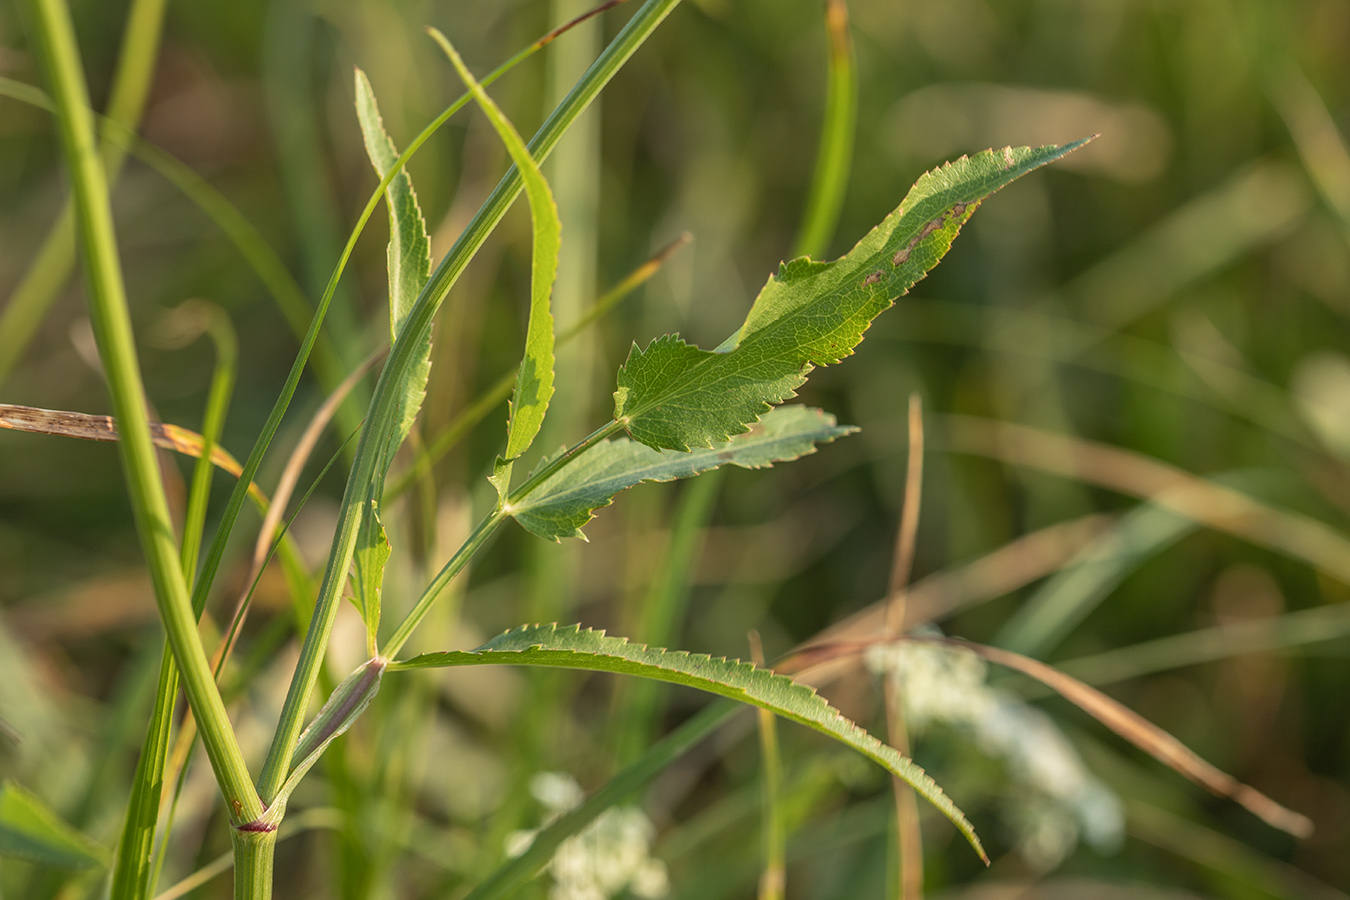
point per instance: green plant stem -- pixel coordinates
(213, 421)
(54, 260)
(834, 156)
(254, 857)
(55, 38)
(480, 534)
(384, 404)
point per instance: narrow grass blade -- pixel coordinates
(637, 701)
(834, 157)
(563, 503)
(1065, 599)
(213, 421)
(995, 574)
(1320, 144)
(1124, 721)
(54, 260)
(409, 252)
(534, 382)
(131, 879)
(575, 648)
(32, 832)
(1296, 629)
(88, 427)
(673, 395)
(515, 872)
(773, 880)
(1148, 737)
(1201, 500)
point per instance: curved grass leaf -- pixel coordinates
(409, 252)
(674, 395)
(567, 500)
(32, 832)
(577, 648)
(534, 383)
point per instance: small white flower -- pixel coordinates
(946, 686)
(610, 855)
(556, 792)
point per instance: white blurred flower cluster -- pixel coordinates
(608, 856)
(1059, 800)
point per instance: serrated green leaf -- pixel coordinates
(372, 553)
(408, 254)
(534, 382)
(573, 647)
(566, 501)
(31, 831)
(676, 396)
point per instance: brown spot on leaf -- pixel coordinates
(872, 279)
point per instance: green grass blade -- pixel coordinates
(673, 395)
(31, 831)
(575, 648)
(772, 881)
(54, 35)
(637, 702)
(133, 864)
(1192, 648)
(213, 421)
(534, 382)
(52, 263)
(515, 872)
(393, 377)
(834, 158)
(1074, 591)
(563, 503)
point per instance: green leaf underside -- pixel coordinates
(372, 553)
(409, 252)
(674, 395)
(32, 832)
(561, 505)
(534, 382)
(573, 647)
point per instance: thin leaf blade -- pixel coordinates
(534, 383)
(560, 506)
(673, 395)
(577, 648)
(29, 830)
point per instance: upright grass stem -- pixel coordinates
(54, 36)
(52, 264)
